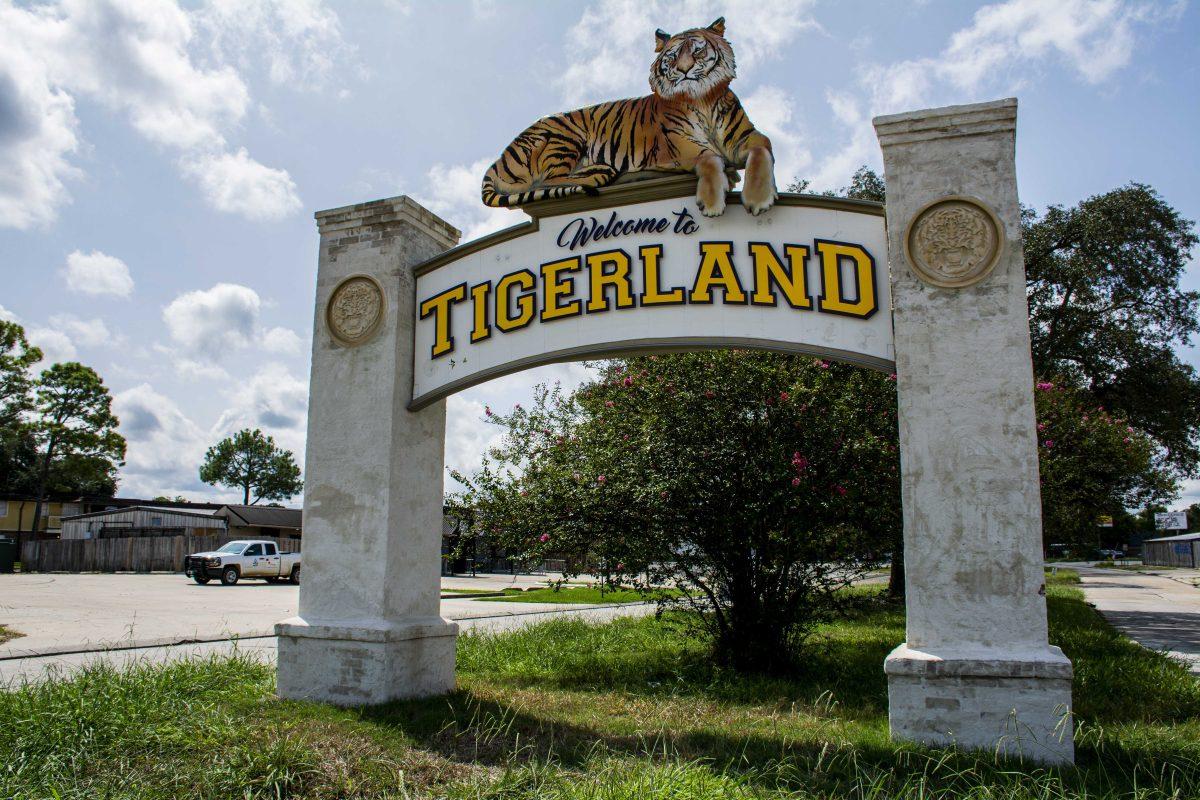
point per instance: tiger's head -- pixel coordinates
(692, 63)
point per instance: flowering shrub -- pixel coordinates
(1092, 463)
(760, 483)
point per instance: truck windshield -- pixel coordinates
(232, 547)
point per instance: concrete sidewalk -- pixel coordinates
(1158, 612)
(60, 613)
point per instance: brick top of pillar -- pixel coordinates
(974, 119)
(385, 213)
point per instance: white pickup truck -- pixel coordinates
(245, 558)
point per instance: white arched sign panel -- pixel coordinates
(653, 274)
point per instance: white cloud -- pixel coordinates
(300, 40)
(272, 399)
(55, 345)
(771, 110)
(212, 322)
(281, 340)
(38, 127)
(165, 447)
(453, 193)
(237, 184)
(97, 273)
(88, 332)
(165, 69)
(191, 369)
(998, 52)
(610, 49)
(7, 315)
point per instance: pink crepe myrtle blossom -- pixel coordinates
(892, 377)
(487, 410)
(839, 490)
(824, 365)
(1041, 426)
(545, 537)
(1045, 386)
(795, 481)
(608, 404)
(1128, 440)
(710, 394)
(1048, 444)
(628, 381)
(784, 397)
(620, 567)
(601, 479)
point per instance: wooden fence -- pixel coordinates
(134, 554)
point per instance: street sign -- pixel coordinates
(1104, 521)
(1171, 521)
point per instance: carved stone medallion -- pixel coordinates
(355, 310)
(954, 242)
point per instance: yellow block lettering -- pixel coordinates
(556, 285)
(769, 273)
(652, 293)
(506, 320)
(833, 292)
(479, 307)
(716, 269)
(617, 277)
(439, 307)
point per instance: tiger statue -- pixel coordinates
(692, 122)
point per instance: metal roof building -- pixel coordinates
(262, 521)
(140, 521)
(1172, 551)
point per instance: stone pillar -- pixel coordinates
(369, 628)
(976, 669)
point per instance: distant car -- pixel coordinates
(254, 558)
(1113, 554)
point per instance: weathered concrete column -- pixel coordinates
(976, 668)
(369, 628)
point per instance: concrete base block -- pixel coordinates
(1017, 705)
(365, 663)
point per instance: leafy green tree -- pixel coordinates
(17, 358)
(865, 184)
(1107, 311)
(759, 483)
(251, 461)
(1092, 463)
(74, 428)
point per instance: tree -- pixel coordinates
(865, 184)
(74, 429)
(252, 462)
(759, 483)
(1107, 311)
(17, 357)
(1092, 464)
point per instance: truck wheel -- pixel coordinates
(295, 576)
(230, 576)
(201, 579)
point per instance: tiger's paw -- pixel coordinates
(714, 209)
(710, 196)
(759, 195)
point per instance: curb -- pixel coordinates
(170, 641)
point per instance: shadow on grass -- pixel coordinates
(600, 682)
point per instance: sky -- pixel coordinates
(160, 162)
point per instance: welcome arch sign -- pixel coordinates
(639, 269)
(931, 286)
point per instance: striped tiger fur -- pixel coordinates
(692, 122)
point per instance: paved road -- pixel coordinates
(58, 612)
(1157, 611)
(15, 671)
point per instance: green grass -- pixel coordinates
(568, 710)
(468, 593)
(7, 634)
(591, 595)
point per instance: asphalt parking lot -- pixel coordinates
(68, 612)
